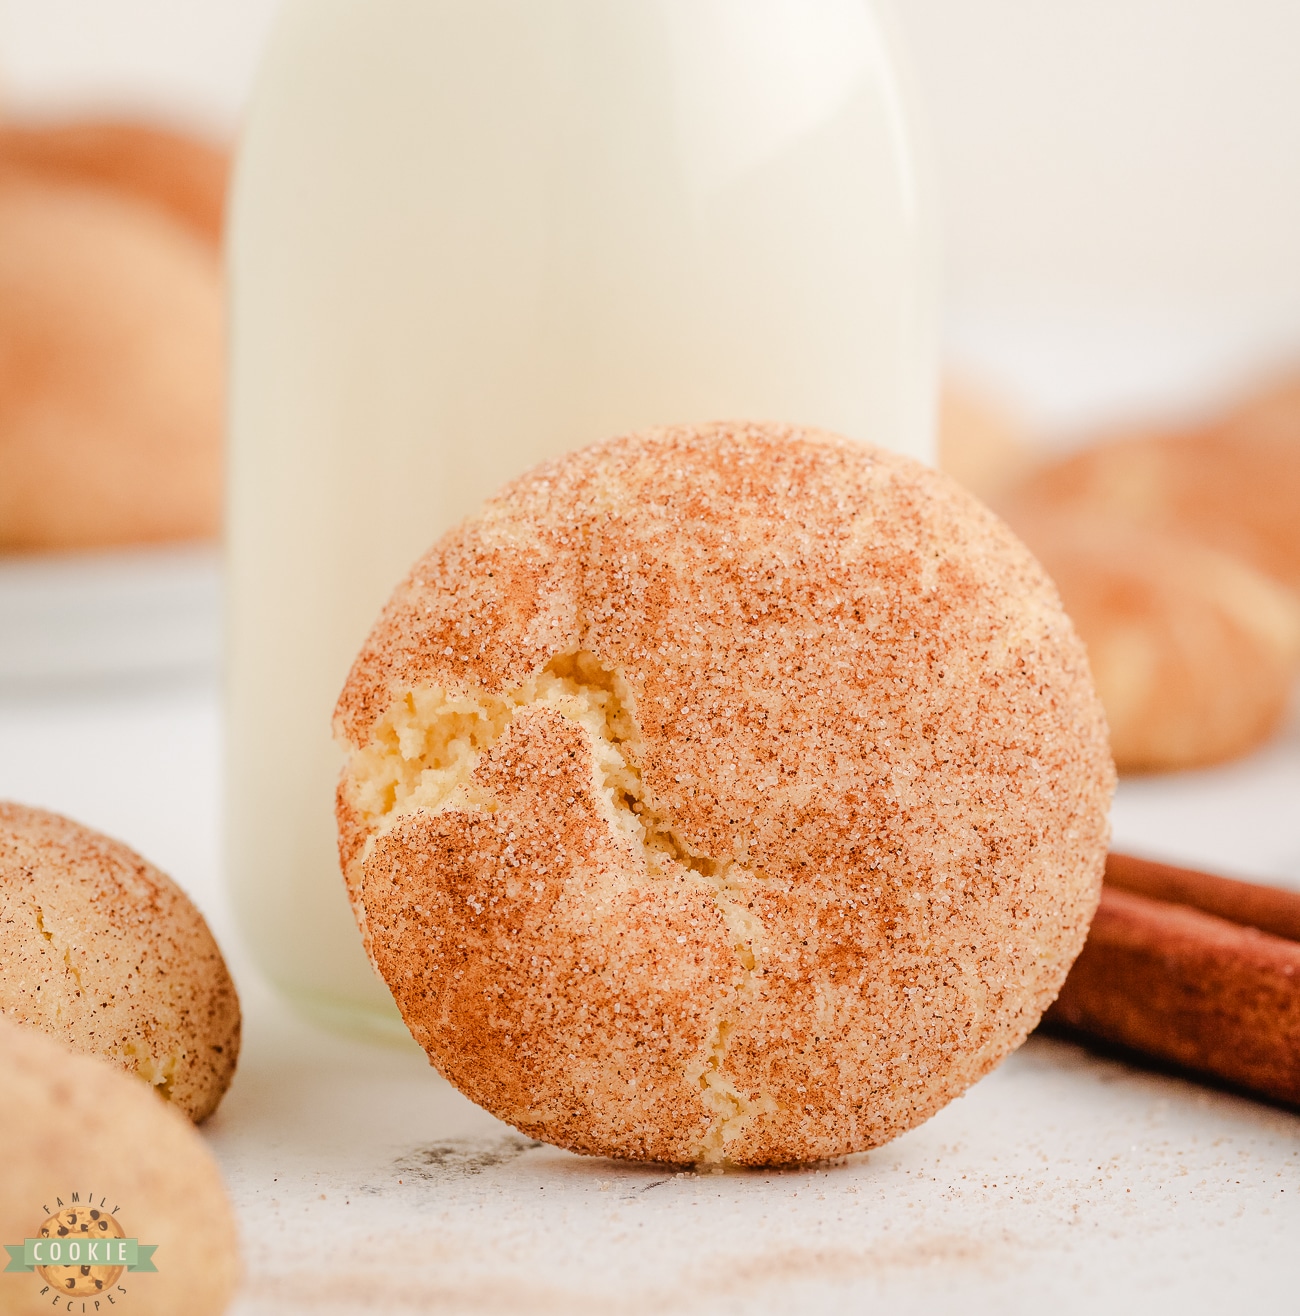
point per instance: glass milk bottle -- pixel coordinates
(467, 235)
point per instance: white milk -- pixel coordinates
(471, 234)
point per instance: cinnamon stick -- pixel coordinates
(1171, 973)
(1268, 908)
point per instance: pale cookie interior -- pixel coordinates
(422, 757)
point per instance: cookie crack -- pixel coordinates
(160, 1072)
(733, 1111)
(66, 950)
(421, 758)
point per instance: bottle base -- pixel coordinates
(365, 1022)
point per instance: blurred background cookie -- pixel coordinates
(984, 444)
(111, 325)
(184, 175)
(1232, 484)
(1177, 555)
(1193, 652)
(70, 1122)
(102, 951)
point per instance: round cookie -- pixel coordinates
(1194, 653)
(728, 793)
(111, 349)
(104, 952)
(72, 1124)
(1232, 484)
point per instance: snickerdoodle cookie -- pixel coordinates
(1232, 484)
(107, 954)
(731, 793)
(1194, 653)
(111, 330)
(87, 1151)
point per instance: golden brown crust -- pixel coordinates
(866, 752)
(70, 1124)
(104, 952)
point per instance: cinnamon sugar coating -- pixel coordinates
(732, 792)
(107, 954)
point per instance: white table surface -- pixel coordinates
(1064, 1182)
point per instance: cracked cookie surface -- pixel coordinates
(733, 793)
